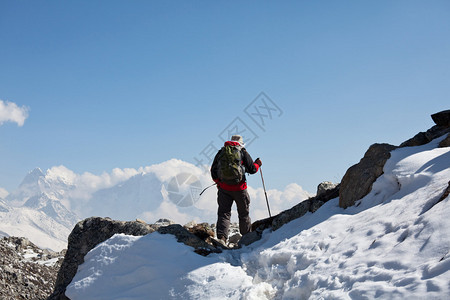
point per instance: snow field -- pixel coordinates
(393, 244)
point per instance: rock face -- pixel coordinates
(357, 181)
(442, 118)
(85, 236)
(26, 271)
(423, 138)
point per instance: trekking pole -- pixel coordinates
(207, 188)
(265, 193)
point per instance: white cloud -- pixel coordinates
(143, 197)
(10, 112)
(3, 193)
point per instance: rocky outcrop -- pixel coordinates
(85, 236)
(442, 121)
(357, 181)
(442, 118)
(325, 186)
(423, 138)
(26, 271)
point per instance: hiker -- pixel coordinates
(228, 171)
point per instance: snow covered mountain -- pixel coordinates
(47, 205)
(393, 244)
(36, 211)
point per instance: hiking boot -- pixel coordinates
(223, 241)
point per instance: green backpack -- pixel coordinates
(230, 168)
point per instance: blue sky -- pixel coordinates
(132, 83)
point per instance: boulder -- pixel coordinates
(85, 236)
(250, 238)
(357, 181)
(325, 186)
(442, 118)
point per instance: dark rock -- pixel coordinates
(235, 238)
(325, 186)
(184, 236)
(299, 210)
(203, 231)
(418, 140)
(445, 142)
(442, 118)
(291, 214)
(85, 236)
(423, 138)
(357, 181)
(315, 205)
(445, 194)
(262, 224)
(250, 238)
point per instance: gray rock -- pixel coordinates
(295, 212)
(85, 236)
(357, 181)
(249, 238)
(442, 118)
(325, 186)
(186, 237)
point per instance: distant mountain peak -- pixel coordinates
(33, 176)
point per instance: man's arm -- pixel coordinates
(214, 171)
(250, 166)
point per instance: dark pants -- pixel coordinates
(225, 200)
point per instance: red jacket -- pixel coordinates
(247, 162)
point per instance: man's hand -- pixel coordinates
(258, 162)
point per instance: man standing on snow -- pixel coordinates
(228, 171)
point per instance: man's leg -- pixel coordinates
(243, 207)
(225, 202)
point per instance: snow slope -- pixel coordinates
(37, 226)
(394, 244)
